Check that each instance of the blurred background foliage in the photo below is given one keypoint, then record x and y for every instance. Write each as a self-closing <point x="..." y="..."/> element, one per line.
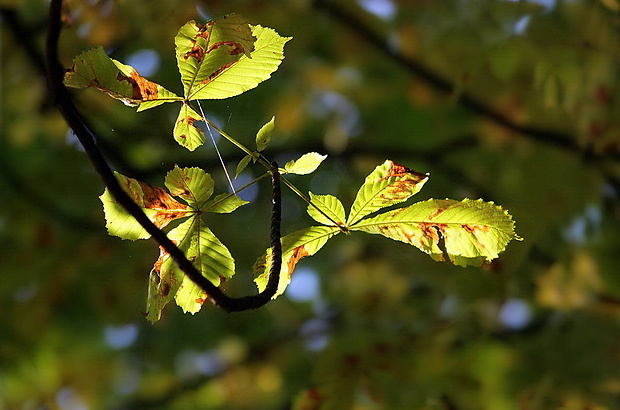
<point x="511" y="101"/>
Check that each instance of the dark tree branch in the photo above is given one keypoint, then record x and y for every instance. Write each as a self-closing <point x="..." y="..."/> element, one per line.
<point x="550" y="137"/>
<point x="60" y="95"/>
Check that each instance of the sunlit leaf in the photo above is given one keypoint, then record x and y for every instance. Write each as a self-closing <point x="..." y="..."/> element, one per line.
<point x="204" y="51"/>
<point x="389" y="184"/>
<point x="207" y="253"/>
<point x="211" y="258"/>
<point x="224" y="204"/>
<point x="245" y="161"/>
<point x="327" y="210"/>
<point x="185" y="132"/>
<point x="230" y="75"/>
<point x="263" y="137"/>
<point x="165" y="277"/>
<point x="192" y="184"/>
<point x="94" y="68"/>
<point x="156" y="203"/>
<point x="306" y="164"/>
<point x="295" y="246"/>
<point x="469" y="231"/>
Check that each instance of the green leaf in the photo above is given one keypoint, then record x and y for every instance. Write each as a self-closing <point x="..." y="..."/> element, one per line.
<point x="203" y="52"/>
<point x="185" y="132"/>
<point x="327" y="210"/>
<point x="94" y="68"/>
<point x="194" y="185"/>
<point x="295" y="246"/>
<point x="245" y="161"/>
<point x="212" y="259"/>
<point x="165" y="277"/>
<point x="231" y="75"/>
<point x="156" y="203"/>
<point x="263" y="137"/>
<point x="208" y="254"/>
<point x="470" y="232"/>
<point x="306" y="164"/>
<point x="389" y="184"/>
<point x="224" y="203"/>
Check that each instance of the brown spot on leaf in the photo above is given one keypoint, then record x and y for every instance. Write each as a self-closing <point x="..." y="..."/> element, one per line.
<point x="165" y="289"/>
<point x="436" y="213"/>
<point x="197" y="52"/>
<point x="396" y="170"/>
<point x="217" y="72"/>
<point x="475" y="229"/>
<point x="429" y="230"/>
<point x="298" y="253"/>
<point x="167" y="208"/>
<point x="200" y="301"/>
<point x="406" y="179"/>
<point x="234" y="47"/>
<point x="143" y="89"/>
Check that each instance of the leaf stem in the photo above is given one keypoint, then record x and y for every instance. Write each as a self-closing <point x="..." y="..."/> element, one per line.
<point x="269" y="166"/>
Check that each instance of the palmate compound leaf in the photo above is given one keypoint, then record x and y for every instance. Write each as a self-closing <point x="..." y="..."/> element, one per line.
<point x="389" y="184"/>
<point x="295" y="246"/>
<point x="94" y="68"/>
<point x="157" y="204"/>
<point x="167" y="281"/>
<point x="193" y="237"/>
<point x="467" y="232"/>
<point x="226" y="57"/>
<point x="470" y="231"/>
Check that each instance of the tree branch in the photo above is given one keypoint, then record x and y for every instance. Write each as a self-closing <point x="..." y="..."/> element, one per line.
<point x="60" y="95"/>
<point x="467" y="101"/>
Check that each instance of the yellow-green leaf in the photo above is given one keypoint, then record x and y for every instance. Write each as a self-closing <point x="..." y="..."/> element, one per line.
<point x="203" y="52"/>
<point x="224" y="204"/>
<point x="389" y="184"/>
<point x="235" y="76"/>
<point x="94" y="68"/>
<point x="470" y="232"/>
<point x="192" y="184"/>
<point x="185" y="132"/>
<point x="306" y="164"/>
<point x="295" y="246"/>
<point x="208" y="254"/>
<point x="263" y="137"/>
<point x="245" y="161"/>
<point x="156" y="203"/>
<point x="326" y="209"/>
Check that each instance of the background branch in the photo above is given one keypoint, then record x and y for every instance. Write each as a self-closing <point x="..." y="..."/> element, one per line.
<point x="467" y="101"/>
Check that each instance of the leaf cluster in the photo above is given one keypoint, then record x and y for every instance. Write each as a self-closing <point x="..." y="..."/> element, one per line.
<point x="224" y="58"/>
